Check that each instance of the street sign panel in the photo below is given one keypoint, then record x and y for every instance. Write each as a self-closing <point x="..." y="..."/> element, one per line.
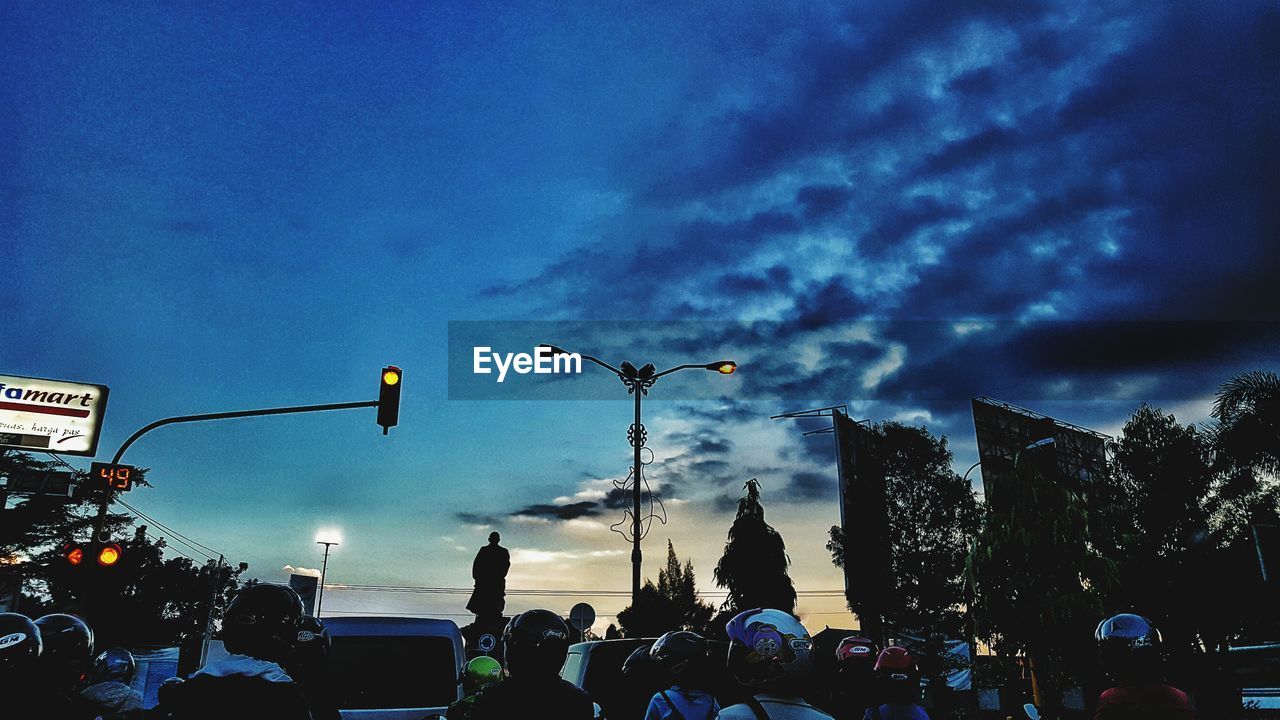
<point x="51" y="482"/>
<point x="51" y="416"/>
<point x="582" y="616"/>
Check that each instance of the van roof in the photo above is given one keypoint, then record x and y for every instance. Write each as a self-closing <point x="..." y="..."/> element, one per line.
<point x="375" y="625"/>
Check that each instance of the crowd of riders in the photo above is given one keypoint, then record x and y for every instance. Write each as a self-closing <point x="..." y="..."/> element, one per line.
<point x="276" y="668"/>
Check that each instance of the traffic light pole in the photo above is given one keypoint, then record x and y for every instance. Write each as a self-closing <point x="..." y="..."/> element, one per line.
<point x="100" y="522"/>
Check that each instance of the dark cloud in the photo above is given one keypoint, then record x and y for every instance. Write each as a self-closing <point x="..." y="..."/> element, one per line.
<point x="560" y="512"/>
<point x="807" y="486"/>
<point x="477" y="519"/>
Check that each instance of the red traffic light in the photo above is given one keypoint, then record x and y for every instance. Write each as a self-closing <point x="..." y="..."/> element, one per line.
<point x="389" y="397"/>
<point x="109" y="554"/>
<point x="73" y="553"/>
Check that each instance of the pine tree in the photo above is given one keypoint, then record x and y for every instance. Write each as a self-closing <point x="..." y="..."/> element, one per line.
<point x="754" y="565"/>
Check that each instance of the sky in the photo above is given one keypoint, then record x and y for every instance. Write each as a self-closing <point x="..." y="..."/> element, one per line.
<point x="892" y="207"/>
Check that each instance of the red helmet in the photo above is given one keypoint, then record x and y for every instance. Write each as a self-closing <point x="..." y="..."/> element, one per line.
<point x="895" y="663"/>
<point x="858" y="649"/>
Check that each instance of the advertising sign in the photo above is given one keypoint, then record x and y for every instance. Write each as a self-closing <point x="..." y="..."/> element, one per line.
<point x="51" y="415"/>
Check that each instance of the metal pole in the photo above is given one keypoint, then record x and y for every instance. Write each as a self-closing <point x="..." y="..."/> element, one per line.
<point x="100" y="522"/>
<point x="208" y="623"/>
<point x="324" y="568"/>
<point x="635" y="503"/>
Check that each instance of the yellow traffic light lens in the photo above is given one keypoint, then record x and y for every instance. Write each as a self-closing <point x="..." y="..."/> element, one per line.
<point x="109" y="555"/>
<point x="727" y="368"/>
<point x="391" y="377"/>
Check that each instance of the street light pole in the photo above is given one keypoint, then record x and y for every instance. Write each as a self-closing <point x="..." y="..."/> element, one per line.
<point x="638" y="383"/>
<point x="324" y="568"/>
<point x="637" y="441"/>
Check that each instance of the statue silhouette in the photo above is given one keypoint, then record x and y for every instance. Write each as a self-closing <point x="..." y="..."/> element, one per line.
<point x="489" y="570"/>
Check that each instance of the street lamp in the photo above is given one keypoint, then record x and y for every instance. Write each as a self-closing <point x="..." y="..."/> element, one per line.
<point x="638" y="382"/>
<point x="324" y="568"/>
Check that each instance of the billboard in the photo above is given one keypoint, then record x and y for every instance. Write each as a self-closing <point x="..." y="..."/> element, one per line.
<point x="305" y="586"/>
<point x="864" y="518"/>
<point x="1004" y="430"/>
<point x="51" y="415"/>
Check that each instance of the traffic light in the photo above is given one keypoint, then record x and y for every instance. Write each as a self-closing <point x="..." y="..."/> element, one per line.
<point x="118" y="478"/>
<point x="73" y="554"/>
<point x="106" y="554"/>
<point x="389" y="397"/>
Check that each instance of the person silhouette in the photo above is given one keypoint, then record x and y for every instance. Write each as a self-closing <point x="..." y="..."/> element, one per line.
<point x="489" y="570"/>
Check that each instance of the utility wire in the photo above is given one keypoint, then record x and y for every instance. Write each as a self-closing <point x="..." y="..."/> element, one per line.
<point x="198" y="547"/>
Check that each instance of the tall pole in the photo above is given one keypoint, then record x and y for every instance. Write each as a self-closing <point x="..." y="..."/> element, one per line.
<point x="637" y="441"/>
<point x="324" y="568"/>
<point x="215" y="576"/>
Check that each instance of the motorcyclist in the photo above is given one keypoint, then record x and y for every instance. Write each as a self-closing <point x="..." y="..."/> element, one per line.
<point x="308" y="666"/>
<point x="259" y="630"/>
<point x="898" y="677"/>
<point x="855" y="677"/>
<point x="108" y="694"/>
<point x="770" y="655"/>
<point x="20" y="648"/>
<point x="1130" y="649"/>
<point x="477" y="674"/>
<point x="64" y="663"/>
<point x="535" y="644"/>
<point x="683" y="656"/>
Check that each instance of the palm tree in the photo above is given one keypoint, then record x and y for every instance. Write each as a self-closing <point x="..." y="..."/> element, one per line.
<point x="1246" y="442"/>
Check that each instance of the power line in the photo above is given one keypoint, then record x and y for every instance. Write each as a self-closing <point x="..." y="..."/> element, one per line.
<point x="195" y="546"/>
<point x="422" y="590"/>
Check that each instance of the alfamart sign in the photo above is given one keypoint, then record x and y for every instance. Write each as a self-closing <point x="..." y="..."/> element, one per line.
<point x="51" y="415"/>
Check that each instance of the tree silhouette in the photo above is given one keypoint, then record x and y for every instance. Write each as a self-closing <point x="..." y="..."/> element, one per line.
<point x="672" y="604"/>
<point x="932" y="515"/>
<point x="1246" y="443"/>
<point x="1037" y="579"/>
<point x="679" y="585"/>
<point x="146" y="599"/>
<point x="754" y="565"/>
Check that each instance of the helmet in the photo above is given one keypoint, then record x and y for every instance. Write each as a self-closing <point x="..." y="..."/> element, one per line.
<point x="897" y="664"/>
<point x="66" y="638"/>
<point x="679" y="652"/>
<point x="479" y="672"/>
<point x="856" y="650"/>
<point x="20" y="646"/>
<point x="535" y="642"/>
<point x="114" y="664"/>
<point x="768" y="648"/>
<point x="312" y="640"/>
<point x="262" y="622"/>
<point x="1130" y="647"/>
<point x="639" y="663"/>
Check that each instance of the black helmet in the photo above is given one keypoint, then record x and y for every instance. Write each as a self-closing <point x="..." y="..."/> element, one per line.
<point x="262" y="622"/>
<point x="535" y="642"/>
<point x="312" y="641"/>
<point x="1130" y="647"/>
<point x="639" y="664"/>
<point x="679" y="652"/>
<point x="114" y="664"/>
<point x="67" y="639"/>
<point x="19" y="646"/>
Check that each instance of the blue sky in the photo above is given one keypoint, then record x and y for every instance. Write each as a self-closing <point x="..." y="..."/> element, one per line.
<point x="896" y="208"/>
